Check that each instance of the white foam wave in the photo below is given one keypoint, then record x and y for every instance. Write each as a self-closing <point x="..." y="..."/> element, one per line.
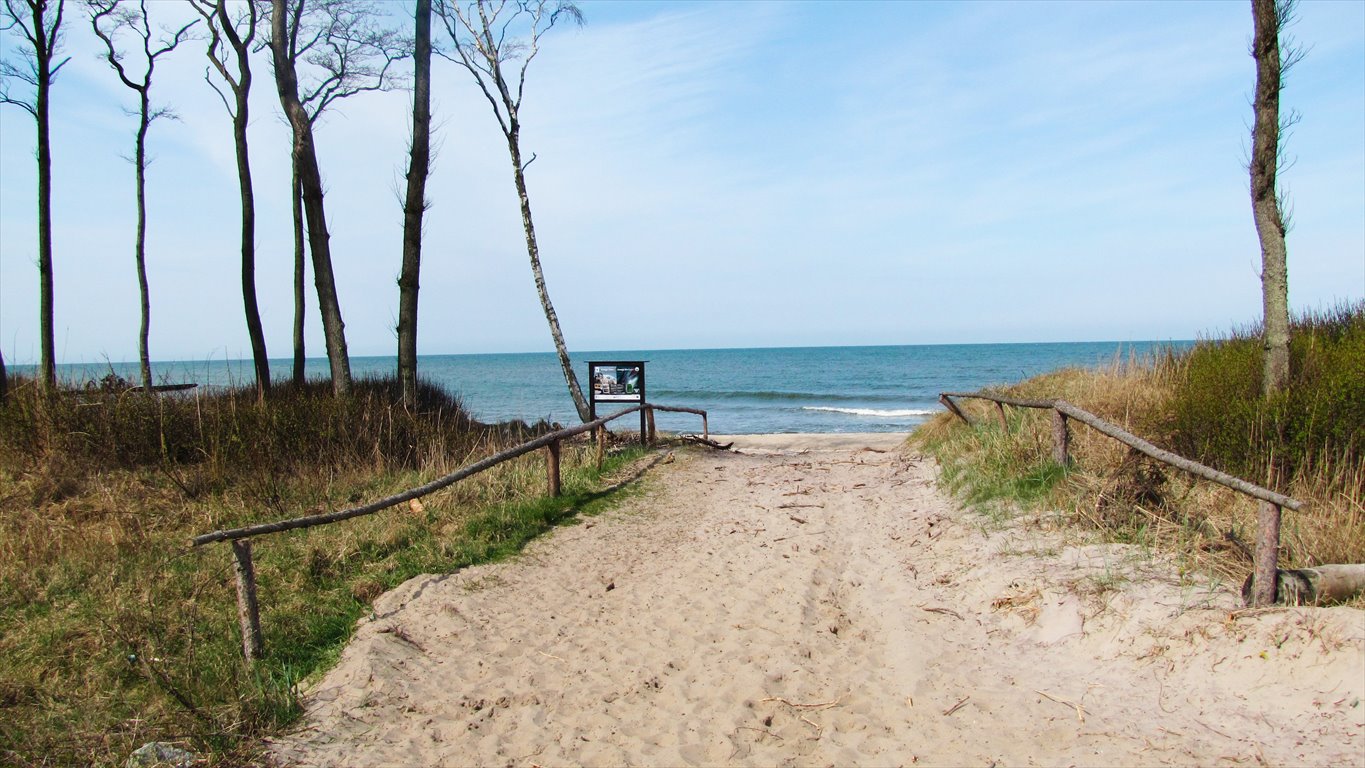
<point x="899" y="413"/>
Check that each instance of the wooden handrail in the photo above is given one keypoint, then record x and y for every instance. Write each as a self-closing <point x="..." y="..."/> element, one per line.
<point x="1137" y="443"/>
<point x="248" y="611"/>
<point x="1264" y="581"/>
<point x="412" y="493"/>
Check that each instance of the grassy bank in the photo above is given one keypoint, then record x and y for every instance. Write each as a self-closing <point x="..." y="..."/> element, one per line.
<point x="1205" y="404"/>
<point x="116" y="633"/>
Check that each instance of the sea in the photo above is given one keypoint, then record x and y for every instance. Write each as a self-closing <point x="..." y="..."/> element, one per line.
<point x="744" y="391"/>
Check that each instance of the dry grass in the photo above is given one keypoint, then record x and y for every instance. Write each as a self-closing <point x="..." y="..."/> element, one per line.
<point x="1129" y="497"/>
<point x="117" y="632"/>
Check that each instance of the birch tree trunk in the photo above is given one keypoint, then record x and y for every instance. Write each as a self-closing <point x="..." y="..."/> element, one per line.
<point x="533" y="251"/>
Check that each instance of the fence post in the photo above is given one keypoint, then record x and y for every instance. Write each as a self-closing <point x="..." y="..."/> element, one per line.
<point x="705" y="430"/>
<point x="649" y="417"/>
<point x="552" y="467"/>
<point x="1000" y="411"/>
<point x="248" y="612"/>
<point x="1061" y="439"/>
<point x="1266" y="573"/>
<point x="601" y="445"/>
<point x="950" y="405"/>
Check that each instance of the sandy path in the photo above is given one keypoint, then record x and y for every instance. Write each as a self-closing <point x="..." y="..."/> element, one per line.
<point x="790" y="606"/>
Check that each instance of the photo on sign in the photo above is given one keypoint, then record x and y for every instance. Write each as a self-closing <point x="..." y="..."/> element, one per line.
<point x="616" y="382"/>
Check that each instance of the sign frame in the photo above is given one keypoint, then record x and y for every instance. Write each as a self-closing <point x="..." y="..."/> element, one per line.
<point x="617" y="381"/>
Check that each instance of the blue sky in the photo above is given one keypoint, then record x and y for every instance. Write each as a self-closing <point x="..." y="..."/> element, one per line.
<point x="732" y="175"/>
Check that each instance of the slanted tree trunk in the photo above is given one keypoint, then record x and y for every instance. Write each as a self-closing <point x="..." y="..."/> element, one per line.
<point x="484" y="34"/>
<point x="419" y="165"/>
<point x="300" y="294"/>
<point x="310" y="180"/>
<point x="533" y="251"/>
<point x="1268" y="16"/>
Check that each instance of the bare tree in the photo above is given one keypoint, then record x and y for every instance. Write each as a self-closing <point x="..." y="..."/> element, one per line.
<point x="1273" y="59"/>
<point x="37" y="24"/>
<point x="482" y="33"/>
<point x="343" y="51"/>
<point x="229" y="49"/>
<point x="415" y="204"/>
<point x="112" y="19"/>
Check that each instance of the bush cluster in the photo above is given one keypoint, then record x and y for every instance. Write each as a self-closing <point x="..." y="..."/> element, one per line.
<point x="1217" y="414"/>
<point x="231" y="430"/>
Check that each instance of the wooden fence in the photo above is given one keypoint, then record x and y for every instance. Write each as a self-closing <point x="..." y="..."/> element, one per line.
<point x="1266" y="566"/>
<point x="248" y="612"/>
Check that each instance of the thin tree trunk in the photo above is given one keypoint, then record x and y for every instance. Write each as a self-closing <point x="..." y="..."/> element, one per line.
<point x="47" y="366"/>
<point x="415" y="204"/>
<point x="310" y="178"/>
<point x="1265" y="145"/>
<point x="519" y="177"/>
<point x="300" y="294"/>
<point x="144" y="291"/>
<point x="4" y="379"/>
<point x="259" y="356"/>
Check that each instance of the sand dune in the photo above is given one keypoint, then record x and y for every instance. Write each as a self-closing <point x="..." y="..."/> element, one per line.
<point x="816" y="600"/>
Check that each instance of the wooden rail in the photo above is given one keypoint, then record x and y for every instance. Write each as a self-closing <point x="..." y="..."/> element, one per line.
<point x="1266" y="568"/>
<point x="244" y="569"/>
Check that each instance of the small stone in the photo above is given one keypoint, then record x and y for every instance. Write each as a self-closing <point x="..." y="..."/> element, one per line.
<point x="159" y="753"/>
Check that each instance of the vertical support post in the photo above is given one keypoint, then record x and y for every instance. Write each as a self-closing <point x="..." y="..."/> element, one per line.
<point x="705" y="430"/>
<point x="248" y="612"/>
<point x="1000" y="412"/>
<point x="644" y="429"/>
<point x="1061" y="439"/>
<point x="649" y="417"/>
<point x="601" y="445"/>
<point x="1266" y="576"/>
<point x="552" y="467"/>
<point x="950" y="405"/>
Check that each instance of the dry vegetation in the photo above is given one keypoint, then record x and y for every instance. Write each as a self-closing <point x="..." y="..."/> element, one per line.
<point x="116" y="632"/>
<point x="1204" y="404"/>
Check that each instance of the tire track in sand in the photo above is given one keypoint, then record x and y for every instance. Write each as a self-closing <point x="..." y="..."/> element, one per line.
<point x="765" y="608"/>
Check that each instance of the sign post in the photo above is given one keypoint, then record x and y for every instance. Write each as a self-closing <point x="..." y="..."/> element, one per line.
<point x="618" y="381"/>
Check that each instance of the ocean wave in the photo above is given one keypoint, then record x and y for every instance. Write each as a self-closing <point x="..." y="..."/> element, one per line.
<point x="898" y="413"/>
<point x="772" y="395"/>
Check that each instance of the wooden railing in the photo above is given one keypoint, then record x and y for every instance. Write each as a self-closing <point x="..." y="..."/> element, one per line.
<point x="1266" y="567"/>
<point x="248" y="612"/>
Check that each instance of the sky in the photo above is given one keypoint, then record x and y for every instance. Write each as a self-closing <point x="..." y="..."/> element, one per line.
<point x="728" y="175"/>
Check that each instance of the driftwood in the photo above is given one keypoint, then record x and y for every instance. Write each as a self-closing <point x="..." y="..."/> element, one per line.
<point x="1320" y="585"/>
<point x="706" y="442"/>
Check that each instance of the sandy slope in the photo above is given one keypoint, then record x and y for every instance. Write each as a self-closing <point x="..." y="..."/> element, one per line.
<point x="813" y="602"/>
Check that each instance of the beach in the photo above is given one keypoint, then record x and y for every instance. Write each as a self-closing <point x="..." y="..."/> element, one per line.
<point x="817" y="600"/>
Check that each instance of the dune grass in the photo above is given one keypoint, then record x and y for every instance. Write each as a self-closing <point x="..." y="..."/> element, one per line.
<point x="1203" y="403"/>
<point x="116" y="632"/>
